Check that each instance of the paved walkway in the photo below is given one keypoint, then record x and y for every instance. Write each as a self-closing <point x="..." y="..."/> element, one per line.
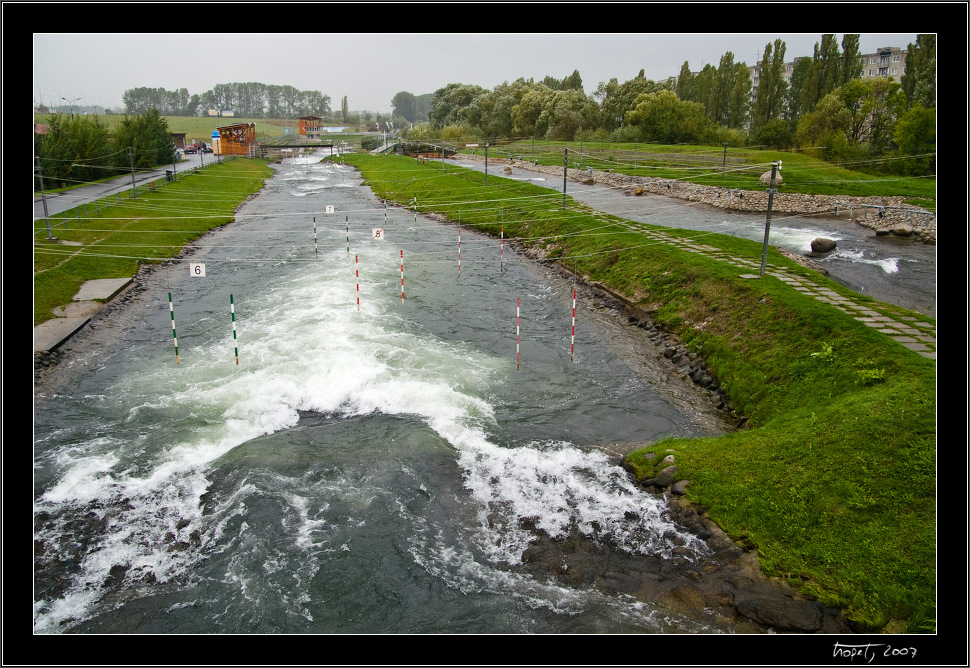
<point x="906" y="330"/>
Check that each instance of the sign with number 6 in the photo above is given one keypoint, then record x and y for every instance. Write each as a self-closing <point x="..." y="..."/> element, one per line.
<point x="197" y="269"/>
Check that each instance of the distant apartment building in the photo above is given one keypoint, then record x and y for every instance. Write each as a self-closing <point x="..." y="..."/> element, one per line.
<point x="887" y="62"/>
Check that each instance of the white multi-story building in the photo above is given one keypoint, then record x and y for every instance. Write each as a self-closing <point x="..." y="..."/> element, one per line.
<point x="887" y="62"/>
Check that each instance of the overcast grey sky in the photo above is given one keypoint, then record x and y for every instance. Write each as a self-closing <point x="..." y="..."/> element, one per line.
<point x="96" y="69"/>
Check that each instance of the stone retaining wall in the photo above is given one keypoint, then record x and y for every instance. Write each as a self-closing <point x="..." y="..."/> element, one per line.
<point x="885" y="215"/>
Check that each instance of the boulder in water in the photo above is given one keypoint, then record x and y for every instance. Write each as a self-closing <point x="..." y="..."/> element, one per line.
<point x="822" y="245"/>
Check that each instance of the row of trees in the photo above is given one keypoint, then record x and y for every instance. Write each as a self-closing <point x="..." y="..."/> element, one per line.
<point x="80" y="149"/>
<point x="825" y="104"/>
<point x="247" y="100"/>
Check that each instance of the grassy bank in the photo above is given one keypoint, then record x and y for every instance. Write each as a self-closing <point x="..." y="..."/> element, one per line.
<point x="738" y="167"/>
<point x="834" y="482"/>
<point x="150" y="228"/>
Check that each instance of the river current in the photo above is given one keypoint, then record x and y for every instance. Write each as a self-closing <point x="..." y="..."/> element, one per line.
<point x="370" y="464"/>
<point x="890" y="269"/>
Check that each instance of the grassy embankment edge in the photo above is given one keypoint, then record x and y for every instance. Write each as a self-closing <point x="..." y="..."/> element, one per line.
<point x="154" y="227"/>
<point x="834" y="483"/>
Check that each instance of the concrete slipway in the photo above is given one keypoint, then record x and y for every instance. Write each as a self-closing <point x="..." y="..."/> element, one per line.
<point x="72" y="317"/>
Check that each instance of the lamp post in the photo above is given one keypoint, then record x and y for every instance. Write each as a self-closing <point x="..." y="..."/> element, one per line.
<point x="71" y="102"/>
<point x="771" y="195"/>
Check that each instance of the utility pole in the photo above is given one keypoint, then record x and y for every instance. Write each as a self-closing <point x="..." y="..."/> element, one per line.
<point x="131" y="162"/>
<point x="43" y="197"/>
<point x="565" y="163"/>
<point x="771" y="195"/>
<point x="486" y="164"/>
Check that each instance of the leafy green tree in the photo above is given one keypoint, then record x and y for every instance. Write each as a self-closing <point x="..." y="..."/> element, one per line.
<point x="565" y="113"/>
<point x="915" y="135"/>
<point x="73" y="150"/>
<point x="776" y="133"/>
<point x="859" y="117"/>
<point x="344" y="110"/>
<point x="571" y="82"/>
<point x="148" y="138"/>
<point x="826" y="128"/>
<point x="740" y="100"/>
<point x="793" y="95"/>
<point x="525" y="114"/>
<point x="617" y="99"/>
<point x="686" y="86"/>
<point x="703" y="84"/>
<point x="875" y="106"/>
<point x="849" y="65"/>
<point x="404" y="105"/>
<point x="829" y="70"/>
<point x="770" y="98"/>
<point x="662" y="117"/>
<point x="919" y="80"/>
<point x="449" y="101"/>
<point x="718" y="102"/>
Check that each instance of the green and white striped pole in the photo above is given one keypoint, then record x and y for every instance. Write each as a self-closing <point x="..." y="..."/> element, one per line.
<point x="232" y="312"/>
<point x="315" y="254"/>
<point x="175" y="338"/>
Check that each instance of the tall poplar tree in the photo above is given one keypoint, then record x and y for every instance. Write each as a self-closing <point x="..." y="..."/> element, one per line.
<point x="719" y="99"/>
<point x="849" y="67"/>
<point x="919" y="81"/>
<point x="771" y="84"/>
<point x="686" y="86"/>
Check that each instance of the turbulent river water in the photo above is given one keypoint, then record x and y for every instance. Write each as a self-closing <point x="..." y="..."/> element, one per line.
<point x="891" y="269"/>
<point x="369" y="465"/>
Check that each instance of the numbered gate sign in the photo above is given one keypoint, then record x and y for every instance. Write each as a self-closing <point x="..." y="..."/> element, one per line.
<point x="377" y="233"/>
<point x="330" y="208"/>
<point x="197" y="269"/>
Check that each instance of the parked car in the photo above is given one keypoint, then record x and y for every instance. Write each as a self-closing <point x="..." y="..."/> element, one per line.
<point x="190" y="150"/>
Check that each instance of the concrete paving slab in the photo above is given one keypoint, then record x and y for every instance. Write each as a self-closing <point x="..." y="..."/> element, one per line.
<point x="51" y="334"/>
<point x="101" y="288"/>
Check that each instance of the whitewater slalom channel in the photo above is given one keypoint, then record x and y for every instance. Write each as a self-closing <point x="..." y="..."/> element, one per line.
<point x="372" y="468"/>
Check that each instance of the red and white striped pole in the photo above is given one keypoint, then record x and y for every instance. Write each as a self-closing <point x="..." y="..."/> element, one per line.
<point x="572" y="343"/>
<point x="459" y="249"/>
<point x="516" y="333"/>
<point x="402" y="278"/>
<point x="357" y="273"/>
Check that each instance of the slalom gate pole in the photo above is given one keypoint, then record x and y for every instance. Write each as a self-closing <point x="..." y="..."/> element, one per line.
<point x="516" y="333"/>
<point x="175" y="338"/>
<point x="402" y="278"/>
<point x="347" y="223"/>
<point x="315" y="238"/>
<point x="572" y="343"/>
<point x="232" y="311"/>
<point x="501" y="252"/>
<point x="459" y="250"/>
<point x="357" y="272"/>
